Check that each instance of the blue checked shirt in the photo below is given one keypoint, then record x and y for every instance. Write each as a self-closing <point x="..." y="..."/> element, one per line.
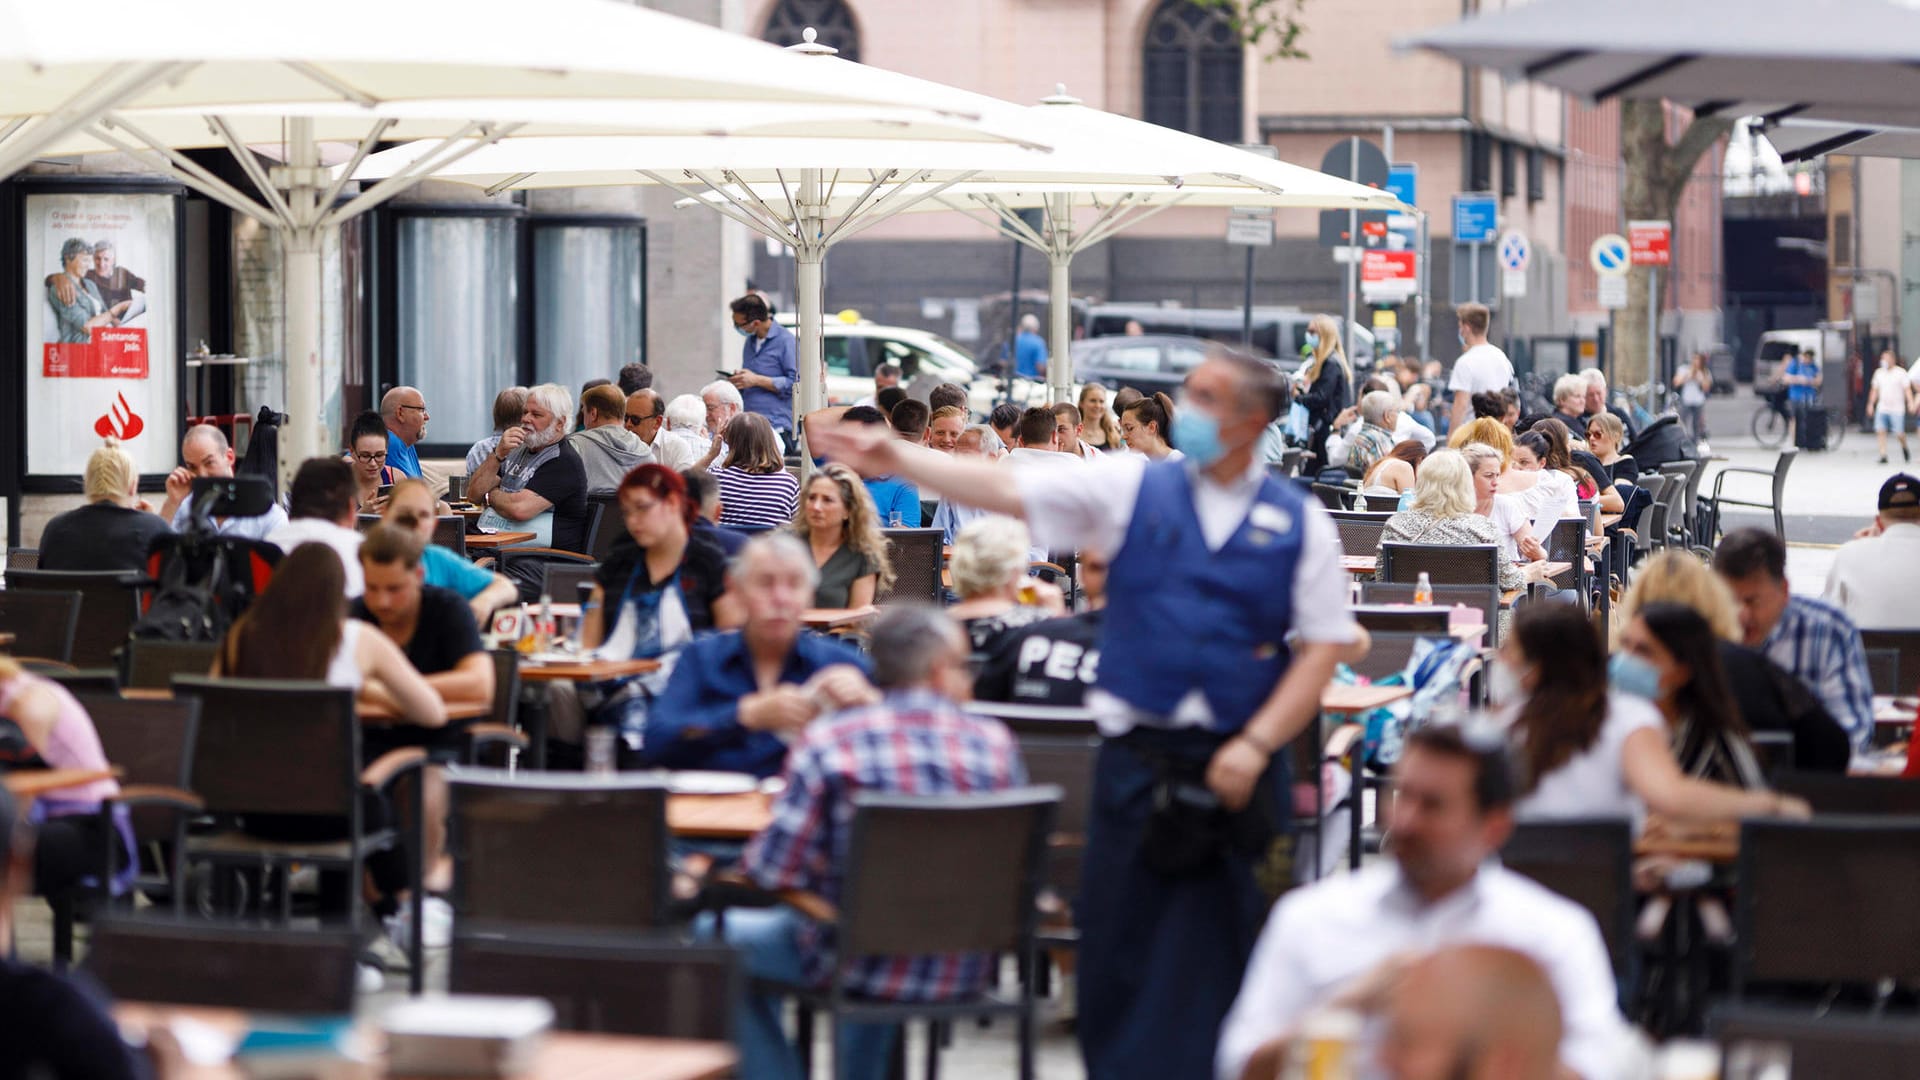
<point x="912" y="743"/>
<point x="1817" y="642"/>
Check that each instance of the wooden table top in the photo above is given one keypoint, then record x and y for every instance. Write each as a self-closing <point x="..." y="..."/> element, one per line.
<point x="828" y="618"/>
<point x="456" y="710"/>
<point x="585" y="670"/>
<point x="1608" y="521"/>
<point x="500" y="539"/>
<point x="1715" y="843"/>
<point x="719" y="817"/>
<point x="1352" y="699"/>
<point x="30" y="783"/>
<point x="1360" y="564"/>
<point x="563" y="1055"/>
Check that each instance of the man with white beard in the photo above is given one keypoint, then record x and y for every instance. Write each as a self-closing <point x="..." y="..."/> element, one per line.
<point x="534" y="482"/>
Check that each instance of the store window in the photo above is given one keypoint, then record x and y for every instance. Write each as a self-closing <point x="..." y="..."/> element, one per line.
<point x="457" y="317"/>
<point x="589" y="299"/>
<point x="831" y="21"/>
<point x="1191" y="71"/>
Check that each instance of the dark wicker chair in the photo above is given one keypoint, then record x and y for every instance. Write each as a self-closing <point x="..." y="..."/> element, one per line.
<point x="109" y="605"/>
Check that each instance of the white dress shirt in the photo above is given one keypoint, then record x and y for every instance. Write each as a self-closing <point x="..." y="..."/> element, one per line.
<point x="345" y="543"/>
<point x="1322" y="936"/>
<point x="1073" y="505"/>
<point x="1404" y="427"/>
<point x="1875" y="579"/>
<point x="673" y="451"/>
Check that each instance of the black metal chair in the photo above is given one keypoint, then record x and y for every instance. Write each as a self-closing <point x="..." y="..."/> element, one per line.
<point x="223" y="965"/>
<point x="151" y="664"/>
<point x="1390" y="653"/>
<point x="450" y="532"/>
<point x="87" y="680"/>
<point x="1826" y="902"/>
<point x="558" y="850"/>
<point x="1831" y="793"/>
<point x="1772" y="749"/>
<point x="1567" y="542"/>
<point x="506" y="698"/>
<point x="622" y="984"/>
<point x="1359" y="531"/>
<point x="1904" y="642"/>
<point x="1052" y="721"/>
<point x="1065" y="761"/>
<point x="1883" y="668"/>
<point x="109" y="606"/>
<point x="271" y="749"/>
<point x="1444" y="564"/>
<point x="42" y="623"/>
<point x="1484" y="597"/>
<point x="1396" y="619"/>
<point x="916" y="564"/>
<point x="564" y="579"/>
<point x="1834" y="1042"/>
<point x="1590" y="862"/>
<point x="1334" y="497"/>
<point x="1778" y="474"/>
<point x="598" y="535"/>
<point x="939" y="874"/>
<point x="23" y="559"/>
<point x="151" y="742"/>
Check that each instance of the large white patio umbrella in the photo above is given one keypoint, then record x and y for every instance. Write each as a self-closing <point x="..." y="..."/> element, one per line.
<point x="232" y="73"/>
<point x="1798" y="140"/>
<point x="813" y="194"/>
<point x="1849" y="61"/>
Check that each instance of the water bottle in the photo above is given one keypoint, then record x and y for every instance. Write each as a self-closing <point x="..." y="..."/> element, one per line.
<point x="600" y="750"/>
<point x="1423" y="589"/>
<point x="543" y="626"/>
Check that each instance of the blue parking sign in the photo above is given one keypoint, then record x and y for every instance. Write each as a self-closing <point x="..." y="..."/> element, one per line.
<point x="1476" y="218"/>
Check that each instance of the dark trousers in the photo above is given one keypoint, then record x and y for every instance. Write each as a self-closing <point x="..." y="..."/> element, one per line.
<point x="1161" y="958"/>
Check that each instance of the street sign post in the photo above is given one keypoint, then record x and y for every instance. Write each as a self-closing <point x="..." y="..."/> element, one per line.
<point x="1476" y="221"/>
<point x="1251" y="227"/>
<point x="1388" y="277"/>
<point x="1609" y="255"/>
<point x="1651" y="242"/>
<point x="1403" y="180"/>
<point x="1514" y="252"/>
<point x="1362" y="162"/>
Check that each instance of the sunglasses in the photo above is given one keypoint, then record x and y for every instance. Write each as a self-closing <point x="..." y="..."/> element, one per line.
<point x="632" y="419"/>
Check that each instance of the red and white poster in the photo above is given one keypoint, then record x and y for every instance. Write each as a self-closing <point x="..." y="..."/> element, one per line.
<point x="100" y="303"/>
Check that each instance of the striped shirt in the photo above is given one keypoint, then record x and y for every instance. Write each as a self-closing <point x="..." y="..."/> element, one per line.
<point x="912" y="743"/>
<point x="756" y="500"/>
<point x="1820" y="645"/>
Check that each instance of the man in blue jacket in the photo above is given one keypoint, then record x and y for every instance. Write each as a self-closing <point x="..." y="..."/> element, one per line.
<point x="769" y="365"/>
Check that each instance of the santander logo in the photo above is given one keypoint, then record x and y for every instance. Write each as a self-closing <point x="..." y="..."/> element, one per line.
<point x="120" y="422"/>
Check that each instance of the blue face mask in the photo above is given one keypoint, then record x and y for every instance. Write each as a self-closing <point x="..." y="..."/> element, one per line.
<point x="1197" y="435"/>
<point x="1633" y="675"/>
<point x="743" y="331"/>
<point x="1313" y="340"/>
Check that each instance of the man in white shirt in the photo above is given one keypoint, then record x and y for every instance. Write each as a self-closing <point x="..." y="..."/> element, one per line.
<point x="1339" y="942"/>
<point x="1481" y="368"/>
<point x="1876" y="576"/>
<point x="647" y="419"/>
<point x="208" y="454"/>
<point x="322" y="497"/>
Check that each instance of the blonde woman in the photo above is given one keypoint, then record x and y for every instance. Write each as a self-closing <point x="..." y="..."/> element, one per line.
<point x="840" y="526"/>
<point x="1443" y="513"/>
<point x="1101" y="429"/>
<point x="114" y="529"/>
<point x="1769" y="697"/>
<point x="989" y="568"/>
<point x="1325" y="385"/>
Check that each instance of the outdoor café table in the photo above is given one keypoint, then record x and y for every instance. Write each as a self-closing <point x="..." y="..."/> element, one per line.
<point x="457" y="710"/>
<point x="719" y="817"/>
<point x="1347" y="701"/>
<point x="544" y="672"/>
<point x="493" y="541"/>
<point x="1360" y="564"/>
<point x="563" y="1055"/>
<point x="834" y="618"/>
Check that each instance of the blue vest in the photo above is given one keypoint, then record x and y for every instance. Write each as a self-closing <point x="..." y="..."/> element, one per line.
<point x="1181" y="618"/>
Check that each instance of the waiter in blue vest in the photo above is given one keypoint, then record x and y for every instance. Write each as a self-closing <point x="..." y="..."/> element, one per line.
<point x="1226" y="614"/>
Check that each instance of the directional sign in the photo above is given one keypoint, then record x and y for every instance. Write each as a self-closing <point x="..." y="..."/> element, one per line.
<point x="1514" y="251"/>
<point x="1388" y="276"/>
<point x="1476" y="218"/>
<point x="1652" y="242"/>
<point x="1613" y="291"/>
<point x="1403" y="180"/>
<point x="1251" y="226"/>
<point x="1609" y="255"/>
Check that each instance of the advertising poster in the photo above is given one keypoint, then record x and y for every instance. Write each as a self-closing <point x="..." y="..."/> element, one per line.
<point x="102" y="359"/>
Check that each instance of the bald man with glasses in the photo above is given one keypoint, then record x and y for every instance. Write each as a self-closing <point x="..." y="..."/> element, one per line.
<point x="647" y="419"/>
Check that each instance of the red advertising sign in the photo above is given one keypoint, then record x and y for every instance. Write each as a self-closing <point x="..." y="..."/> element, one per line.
<point x="1651" y="241"/>
<point x="1388" y="266"/>
<point x="118" y="352"/>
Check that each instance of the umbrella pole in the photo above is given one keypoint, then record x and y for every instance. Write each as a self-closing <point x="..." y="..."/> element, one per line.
<point x="809" y="255"/>
<point x="302" y="437"/>
<point x="1060" y="312"/>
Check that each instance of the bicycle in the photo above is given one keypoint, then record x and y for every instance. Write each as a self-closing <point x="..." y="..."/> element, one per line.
<point x="1773" y="419"/>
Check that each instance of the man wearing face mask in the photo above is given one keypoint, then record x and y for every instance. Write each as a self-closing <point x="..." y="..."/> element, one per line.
<point x="1199" y="689"/>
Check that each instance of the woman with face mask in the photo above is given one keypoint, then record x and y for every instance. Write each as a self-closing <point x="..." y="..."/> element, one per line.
<point x="1325" y="384"/>
<point x="1668" y="656"/>
<point x="1588" y="752"/>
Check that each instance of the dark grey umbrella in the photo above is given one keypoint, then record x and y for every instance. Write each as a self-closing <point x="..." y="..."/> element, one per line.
<point x="1852" y="62"/>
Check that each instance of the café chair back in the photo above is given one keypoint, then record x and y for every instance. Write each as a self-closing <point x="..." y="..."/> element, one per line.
<point x="606" y="526"/>
<point x="1052" y="721"/>
<point x="226" y="966"/>
<point x="1835" y="1042"/>
<point x="23" y="559"/>
<point x="43" y="624"/>
<point x="622" y="984"/>
<point x="1485" y="597"/>
<point x="1359" y="530"/>
<point x="1826" y="902"/>
<point x="598" y="537"/>
<point x="450" y="532"/>
<point x="1773" y="502"/>
<point x="1391" y="619"/>
<point x="563" y="580"/>
<point x="86" y="680"/>
<point x="151" y="664"/>
<point x="1064" y="761"/>
<point x="1567" y="542"/>
<point x="1904" y="642"/>
<point x="916" y="564"/>
<point x="1333" y="496"/>
<point x="1772" y="749"/>
<point x="942" y="874"/>
<point x="1883" y="670"/>
<point x="557" y="850"/>
<point x="109" y="605"/>
<point x="1590" y="862"/>
<point x="1863" y="796"/>
<point x="1444" y="564"/>
<point x="1391" y="651"/>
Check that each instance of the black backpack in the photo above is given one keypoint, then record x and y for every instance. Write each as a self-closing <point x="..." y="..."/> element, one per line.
<point x="204" y="583"/>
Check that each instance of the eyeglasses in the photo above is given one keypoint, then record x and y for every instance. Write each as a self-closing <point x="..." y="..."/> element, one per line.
<point x="422" y="408"/>
<point x="371" y="459"/>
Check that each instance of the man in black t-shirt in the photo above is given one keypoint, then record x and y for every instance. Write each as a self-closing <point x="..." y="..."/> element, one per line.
<point x="533" y="472"/>
<point x="1055" y="661"/>
<point x="433" y="626"/>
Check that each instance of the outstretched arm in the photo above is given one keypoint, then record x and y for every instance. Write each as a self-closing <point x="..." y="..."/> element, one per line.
<point x="873" y="451"/>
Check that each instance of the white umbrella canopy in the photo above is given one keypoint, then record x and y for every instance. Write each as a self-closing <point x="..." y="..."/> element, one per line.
<point x="1844" y="60"/>
<point x="1799" y="141"/>
<point x="435" y="66"/>
<point x="812" y="194"/>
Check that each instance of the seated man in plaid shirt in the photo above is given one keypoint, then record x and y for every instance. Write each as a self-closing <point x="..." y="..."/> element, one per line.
<point x="916" y="741"/>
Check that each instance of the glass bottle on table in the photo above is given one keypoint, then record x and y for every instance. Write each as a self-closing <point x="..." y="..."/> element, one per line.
<point x="1423" y="589"/>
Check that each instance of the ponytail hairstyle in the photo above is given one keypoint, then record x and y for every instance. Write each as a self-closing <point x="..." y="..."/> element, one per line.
<point x="1158" y="411"/>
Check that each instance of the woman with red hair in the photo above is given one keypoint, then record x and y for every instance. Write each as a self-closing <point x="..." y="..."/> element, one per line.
<point x="652" y="595"/>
